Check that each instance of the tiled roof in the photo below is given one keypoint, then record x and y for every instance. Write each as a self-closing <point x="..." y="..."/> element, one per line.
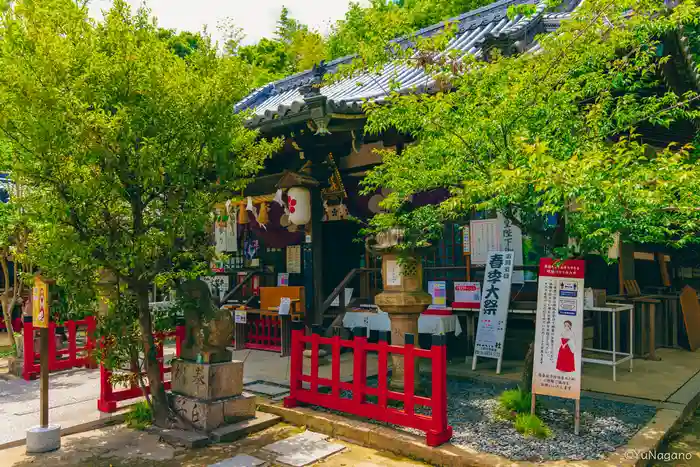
<point x="475" y="28"/>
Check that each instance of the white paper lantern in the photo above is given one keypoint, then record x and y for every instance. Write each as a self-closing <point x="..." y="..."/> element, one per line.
<point x="299" y="203"/>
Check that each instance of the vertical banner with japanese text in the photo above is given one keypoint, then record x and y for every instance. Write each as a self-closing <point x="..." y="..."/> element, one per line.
<point x="493" y="313"/>
<point x="559" y="329"/>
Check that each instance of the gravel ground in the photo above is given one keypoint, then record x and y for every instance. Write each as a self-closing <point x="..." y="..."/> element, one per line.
<point x="605" y="425"/>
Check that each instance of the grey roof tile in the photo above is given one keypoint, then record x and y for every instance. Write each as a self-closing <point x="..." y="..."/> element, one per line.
<point x="347" y="95"/>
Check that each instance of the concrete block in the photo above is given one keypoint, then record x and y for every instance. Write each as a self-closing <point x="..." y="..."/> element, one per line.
<point x="310" y="453"/>
<point x="295" y="443"/>
<point x="230" y="433"/>
<point x="239" y="408"/>
<point x="239" y="460"/>
<point x="43" y="439"/>
<point x="207" y="381"/>
<point x="187" y="439"/>
<point x="204" y="415"/>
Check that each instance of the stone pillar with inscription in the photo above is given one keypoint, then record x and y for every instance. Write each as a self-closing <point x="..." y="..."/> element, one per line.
<point x="207" y="386"/>
<point x="403" y="298"/>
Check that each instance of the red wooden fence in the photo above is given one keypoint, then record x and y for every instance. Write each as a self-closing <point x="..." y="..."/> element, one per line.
<point x="434" y="425"/>
<point x="59" y="359"/>
<point x="16" y="324"/>
<point x="264" y="332"/>
<point x="109" y="396"/>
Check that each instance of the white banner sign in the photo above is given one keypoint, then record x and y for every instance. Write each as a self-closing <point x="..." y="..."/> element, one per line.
<point x="559" y="329"/>
<point x="493" y="313"/>
<point x="485" y="237"/>
<point x="512" y="240"/>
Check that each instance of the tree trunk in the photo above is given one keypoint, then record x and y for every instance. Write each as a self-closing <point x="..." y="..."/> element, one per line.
<point x="158" y="397"/>
<point x="7" y="305"/>
<point x="526" y="379"/>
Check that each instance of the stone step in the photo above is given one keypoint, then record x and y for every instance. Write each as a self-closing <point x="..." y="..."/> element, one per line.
<point x="229" y="433"/>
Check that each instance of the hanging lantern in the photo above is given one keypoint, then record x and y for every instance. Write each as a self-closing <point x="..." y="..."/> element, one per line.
<point x="299" y="203"/>
<point x="242" y="215"/>
<point x="262" y="215"/>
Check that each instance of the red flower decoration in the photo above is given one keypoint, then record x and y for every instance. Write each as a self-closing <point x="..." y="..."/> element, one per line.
<point x="292" y="204"/>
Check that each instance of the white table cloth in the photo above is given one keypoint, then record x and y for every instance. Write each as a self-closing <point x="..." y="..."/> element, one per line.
<point x="427" y="324"/>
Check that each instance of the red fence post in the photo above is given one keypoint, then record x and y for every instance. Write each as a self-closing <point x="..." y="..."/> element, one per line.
<point x="28" y="337"/>
<point x="105" y="403"/>
<point x="441" y="432"/>
<point x="359" y="366"/>
<point x="179" y="338"/>
<point x="383" y="369"/>
<point x="296" y="362"/>
<point x="71" y="327"/>
<point x="409" y="374"/>
<point x="91" y="341"/>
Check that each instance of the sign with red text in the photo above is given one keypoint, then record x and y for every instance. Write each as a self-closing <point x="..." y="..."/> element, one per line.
<point x="559" y="329"/>
<point x="467" y="295"/>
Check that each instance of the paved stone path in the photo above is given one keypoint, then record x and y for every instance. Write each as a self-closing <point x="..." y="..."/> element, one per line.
<point x="73" y="394"/>
<point x="118" y="446"/>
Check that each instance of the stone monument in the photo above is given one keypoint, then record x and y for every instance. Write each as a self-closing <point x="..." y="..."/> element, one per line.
<point x="403" y="298"/>
<point x="207" y="385"/>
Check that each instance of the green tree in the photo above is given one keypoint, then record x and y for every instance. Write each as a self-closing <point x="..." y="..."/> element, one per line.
<point x="13" y="244"/>
<point x="184" y="43"/>
<point x="557" y="132"/>
<point x="130" y="146"/>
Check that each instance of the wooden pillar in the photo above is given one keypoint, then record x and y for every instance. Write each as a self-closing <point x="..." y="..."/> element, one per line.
<point x="316" y="255"/>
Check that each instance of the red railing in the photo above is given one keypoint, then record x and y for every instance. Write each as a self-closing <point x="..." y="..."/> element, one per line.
<point x="109" y="396"/>
<point x="16" y="324"/>
<point x="59" y="359"/>
<point x="264" y="332"/>
<point x="434" y="425"/>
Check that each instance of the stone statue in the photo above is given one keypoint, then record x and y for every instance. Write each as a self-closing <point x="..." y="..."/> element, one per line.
<point x="208" y="329"/>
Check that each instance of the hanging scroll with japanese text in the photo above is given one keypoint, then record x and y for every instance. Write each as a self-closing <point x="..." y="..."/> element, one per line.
<point x="493" y="313"/>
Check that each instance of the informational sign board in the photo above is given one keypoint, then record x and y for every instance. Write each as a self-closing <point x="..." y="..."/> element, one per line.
<point x="485" y="237"/>
<point x="40" y="304"/>
<point x="393" y="273"/>
<point x="438" y="290"/>
<point x="466" y="240"/>
<point x="294" y="259"/>
<point x="283" y="279"/>
<point x="467" y="295"/>
<point x="285" y="305"/>
<point x="493" y="312"/>
<point x="559" y="330"/>
<point x="241" y="316"/>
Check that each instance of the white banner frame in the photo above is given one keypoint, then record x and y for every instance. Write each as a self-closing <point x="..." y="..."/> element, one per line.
<point x="496" y="274"/>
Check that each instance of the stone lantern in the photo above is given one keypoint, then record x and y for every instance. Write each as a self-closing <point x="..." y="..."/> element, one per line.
<point x="403" y="297"/>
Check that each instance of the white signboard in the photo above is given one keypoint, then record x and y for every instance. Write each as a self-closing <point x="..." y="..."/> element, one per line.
<point x="285" y="305"/>
<point x="559" y="329"/>
<point x="493" y="313"/>
<point x="467" y="295"/>
<point x="226" y="235"/>
<point x="393" y="273"/>
<point x="485" y="237"/>
<point x="241" y="316"/>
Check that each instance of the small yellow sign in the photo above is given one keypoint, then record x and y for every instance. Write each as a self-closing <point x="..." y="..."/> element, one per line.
<point x="40" y="304"/>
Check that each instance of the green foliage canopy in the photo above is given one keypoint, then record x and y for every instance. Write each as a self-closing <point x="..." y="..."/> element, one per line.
<point x="552" y="132"/>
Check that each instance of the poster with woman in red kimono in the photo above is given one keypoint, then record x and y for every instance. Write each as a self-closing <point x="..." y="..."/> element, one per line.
<point x="566" y="358"/>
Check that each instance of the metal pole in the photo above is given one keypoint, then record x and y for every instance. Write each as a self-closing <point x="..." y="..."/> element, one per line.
<point x="44" y="375"/>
